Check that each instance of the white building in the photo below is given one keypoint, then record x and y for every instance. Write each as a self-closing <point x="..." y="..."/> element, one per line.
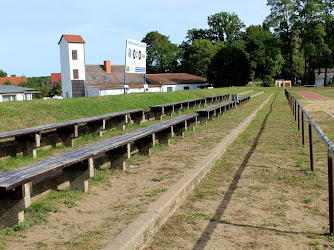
<point x="16" y="93"/>
<point x="72" y="59"/>
<point x="79" y="79"/>
<point x="283" y="83"/>
<point x="320" y="76"/>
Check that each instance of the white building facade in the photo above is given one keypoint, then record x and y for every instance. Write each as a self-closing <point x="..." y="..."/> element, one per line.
<point x="72" y="60"/>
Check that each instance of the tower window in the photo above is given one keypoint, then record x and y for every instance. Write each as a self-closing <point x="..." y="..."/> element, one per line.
<point x="74" y="55"/>
<point x="75" y="74"/>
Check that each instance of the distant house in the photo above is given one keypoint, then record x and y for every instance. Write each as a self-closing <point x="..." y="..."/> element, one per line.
<point x="16" y="93"/>
<point x="55" y="78"/>
<point x="177" y="81"/>
<point x="320" y="76"/>
<point x="14" y="80"/>
<point x="108" y="79"/>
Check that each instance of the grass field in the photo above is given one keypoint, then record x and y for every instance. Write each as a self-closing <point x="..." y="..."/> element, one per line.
<point x="18" y="115"/>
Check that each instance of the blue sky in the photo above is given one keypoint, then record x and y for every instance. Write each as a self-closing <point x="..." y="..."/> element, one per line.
<point x="30" y="30"/>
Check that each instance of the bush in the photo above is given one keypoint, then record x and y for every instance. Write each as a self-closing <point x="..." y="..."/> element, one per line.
<point x="268" y="82"/>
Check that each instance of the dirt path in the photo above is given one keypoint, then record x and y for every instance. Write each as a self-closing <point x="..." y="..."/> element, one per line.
<point x="260" y="195"/>
<point x="312" y="96"/>
<point x="318" y="105"/>
<point x="107" y="209"/>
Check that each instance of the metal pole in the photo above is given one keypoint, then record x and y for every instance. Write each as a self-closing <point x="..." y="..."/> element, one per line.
<point x="295" y="110"/>
<point x="298" y="117"/>
<point x="331" y="191"/>
<point x="311" y="146"/>
<point x="303" y="129"/>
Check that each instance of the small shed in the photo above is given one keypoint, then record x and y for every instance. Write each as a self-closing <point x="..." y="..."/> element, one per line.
<point x="283" y="83"/>
<point x="16" y="93"/>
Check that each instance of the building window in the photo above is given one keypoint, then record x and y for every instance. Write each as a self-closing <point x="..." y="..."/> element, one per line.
<point x="186" y="88"/>
<point x="169" y="89"/>
<point x="6" y="98"/>
<point x="74" y="55"/>
<point x="75" y="74"/>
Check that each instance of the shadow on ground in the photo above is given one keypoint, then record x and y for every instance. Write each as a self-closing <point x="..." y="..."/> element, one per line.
<point x="206" y="235"/>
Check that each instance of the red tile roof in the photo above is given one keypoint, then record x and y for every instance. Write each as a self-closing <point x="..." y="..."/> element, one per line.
<point x="72" y="39"/>
<point x="16" y="80"/>
<point x="174" y="78"/>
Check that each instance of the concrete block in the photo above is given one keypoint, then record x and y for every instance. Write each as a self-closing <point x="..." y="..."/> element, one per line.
<point x="12" y="207"/>
<point x="144" y="145"/>
<point x="78" y="175"/>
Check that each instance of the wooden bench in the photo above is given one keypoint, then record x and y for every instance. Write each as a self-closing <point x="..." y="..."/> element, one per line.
<point x="27" y="140"/>
<point x="215" y="110"/>
<point x="169" y="108"/>
<point x="19" y="186"/>
<point x="244" y="99"/>
<point x="217" y="98"/>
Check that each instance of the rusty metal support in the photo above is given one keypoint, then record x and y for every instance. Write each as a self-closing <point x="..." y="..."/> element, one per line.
<point x="331" y="191"/>
<point x="311" y="146"/>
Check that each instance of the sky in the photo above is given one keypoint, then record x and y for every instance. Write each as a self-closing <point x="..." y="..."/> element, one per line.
<point x="31" y="30"/>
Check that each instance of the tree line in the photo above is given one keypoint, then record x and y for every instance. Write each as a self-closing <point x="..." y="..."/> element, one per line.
<point x="295" y="39"/>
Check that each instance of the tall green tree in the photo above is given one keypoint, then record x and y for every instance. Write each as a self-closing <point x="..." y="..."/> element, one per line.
<point x="229" y="67"/>
<point x="264" y="53"/>
<point x="327" y="8"/>
<point x="312" y="31"/>
<point x="162" y="55"/>
<point x="225" y="27"/>
<point x="2" y="73"/>
<point x="198" y="56"/>
<point x="282" y="19"/>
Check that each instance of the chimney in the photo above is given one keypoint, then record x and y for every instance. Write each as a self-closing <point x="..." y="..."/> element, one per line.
<point x="107" y="66"/>
<point x="13" y="76"/>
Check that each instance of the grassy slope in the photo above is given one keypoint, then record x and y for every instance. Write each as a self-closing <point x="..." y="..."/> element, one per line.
<point x="18" y="115"/>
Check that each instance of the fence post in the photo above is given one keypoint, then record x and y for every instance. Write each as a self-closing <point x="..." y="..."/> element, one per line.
<point x="303" y="129"/>
<point x="331" y="191"/>
<point x="295" y="110"/>
<point x="298" y="117"/>
<point x="311" y="146"/>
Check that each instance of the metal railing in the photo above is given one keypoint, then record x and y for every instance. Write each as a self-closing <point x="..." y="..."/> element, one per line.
<point x="299" y="112"/>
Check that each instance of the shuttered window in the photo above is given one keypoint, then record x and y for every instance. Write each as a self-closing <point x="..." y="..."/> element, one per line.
<point x="75" y="74"/>
<point x="74" y="55"/>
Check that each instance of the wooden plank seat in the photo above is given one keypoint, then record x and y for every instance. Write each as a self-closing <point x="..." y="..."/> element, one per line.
<point x="215" y="110"/>
<point x="19" y="186"/>
<point x="217" y="98"/>
<point x="169" y="108"/>
<point x="244" y="99"/>
<point x="27" y="140"/>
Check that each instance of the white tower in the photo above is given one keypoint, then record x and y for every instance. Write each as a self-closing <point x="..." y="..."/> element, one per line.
<point x="72" y="60"/>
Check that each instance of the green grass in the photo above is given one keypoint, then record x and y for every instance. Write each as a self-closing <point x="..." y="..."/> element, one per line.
<point x="18" y="115"/>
